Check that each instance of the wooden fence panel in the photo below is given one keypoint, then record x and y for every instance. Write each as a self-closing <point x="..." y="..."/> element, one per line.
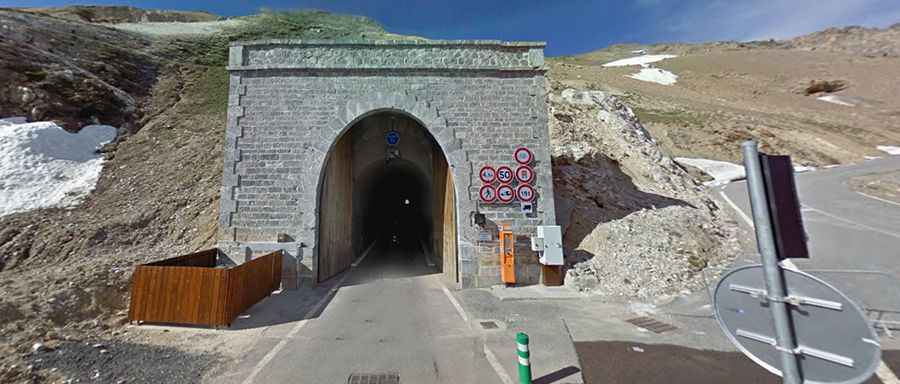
<point x="166" y="292"/>
<point x="250" y="282"/>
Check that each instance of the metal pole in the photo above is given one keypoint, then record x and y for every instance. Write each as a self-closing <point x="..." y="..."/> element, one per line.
<point x="765" y="241"/>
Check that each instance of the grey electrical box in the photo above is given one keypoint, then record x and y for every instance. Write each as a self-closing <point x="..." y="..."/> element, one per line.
<point x="550" y="237"/>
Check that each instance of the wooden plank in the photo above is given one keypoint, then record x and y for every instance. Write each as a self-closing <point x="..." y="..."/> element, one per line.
<point x="336" y="212"/>
<point x="449" y="230"/>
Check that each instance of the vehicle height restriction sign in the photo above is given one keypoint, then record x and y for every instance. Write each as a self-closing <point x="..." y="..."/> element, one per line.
<point x="487" y="174"/>
<point x="504" y="174"/>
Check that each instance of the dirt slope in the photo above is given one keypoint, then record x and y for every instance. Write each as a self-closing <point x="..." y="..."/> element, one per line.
<point x="729" y="92"/>
<point x="65" y="274"/>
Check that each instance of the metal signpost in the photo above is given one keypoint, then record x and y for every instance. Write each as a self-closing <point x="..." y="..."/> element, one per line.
<point x="791" y="323"/>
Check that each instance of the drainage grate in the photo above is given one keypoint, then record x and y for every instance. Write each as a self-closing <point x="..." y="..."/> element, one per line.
<point x="489" y="325"/>
<point x="374" y="378"/>
<point x="652" y="324"/>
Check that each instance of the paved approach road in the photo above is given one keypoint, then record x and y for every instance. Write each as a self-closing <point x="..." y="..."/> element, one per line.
<point x="391" y="314"/>
<point x="847" y="230"/>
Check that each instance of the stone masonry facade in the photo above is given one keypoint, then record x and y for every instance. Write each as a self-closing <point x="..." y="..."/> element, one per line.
<point x="289" y="101"/>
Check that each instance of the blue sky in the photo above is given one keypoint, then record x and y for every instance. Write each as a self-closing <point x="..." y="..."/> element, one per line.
<point x="571" y="26"/>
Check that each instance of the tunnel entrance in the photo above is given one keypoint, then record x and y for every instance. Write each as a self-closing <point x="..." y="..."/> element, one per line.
<point x="387" y="195"/>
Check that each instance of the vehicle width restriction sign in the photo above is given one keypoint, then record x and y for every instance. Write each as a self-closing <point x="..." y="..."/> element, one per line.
<point x="505" y="193"/>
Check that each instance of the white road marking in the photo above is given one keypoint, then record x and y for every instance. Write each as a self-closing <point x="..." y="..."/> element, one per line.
<point x="879" y="199"/>
<point x="363" y="256"/>
<point x="459" y="308"/>
<point x="278" y="347"/>
<point x="492" y="359"/>
<point x="833" y="216"/>
<point x="736" y="208"/>
<point x="886" y="375"/>
<point x="884" y="372"/>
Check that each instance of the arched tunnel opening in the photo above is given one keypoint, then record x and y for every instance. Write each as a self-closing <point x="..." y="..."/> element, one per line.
<point x="396" y="209"/>
<point x="387" y="198"/>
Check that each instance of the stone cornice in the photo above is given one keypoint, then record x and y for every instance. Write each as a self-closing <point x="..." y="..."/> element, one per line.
<point x="387" y="54"/>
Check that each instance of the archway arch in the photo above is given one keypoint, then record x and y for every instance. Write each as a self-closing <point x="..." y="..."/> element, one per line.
<point x="377" y="198"/>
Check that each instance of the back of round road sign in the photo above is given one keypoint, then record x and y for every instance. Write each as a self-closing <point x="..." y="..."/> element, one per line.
<point x="835" y="342"/>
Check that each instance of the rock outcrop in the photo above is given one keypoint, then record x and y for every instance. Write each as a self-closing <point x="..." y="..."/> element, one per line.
<point x="635" y="223"/>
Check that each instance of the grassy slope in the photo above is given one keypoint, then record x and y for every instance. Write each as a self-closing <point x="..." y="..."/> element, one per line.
<point x="157" y="195"/>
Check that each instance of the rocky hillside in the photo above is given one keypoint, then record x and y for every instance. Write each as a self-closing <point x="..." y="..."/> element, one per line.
<point x="727" y="92"/>
<point x="858" y="41"/>
<point x="635" y="224"/>
<point x="65" y="273"/>
<point x="121" y="14"/>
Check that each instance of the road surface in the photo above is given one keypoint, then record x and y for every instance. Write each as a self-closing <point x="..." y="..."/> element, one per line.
<point x="847" y="230"/>
<point x="388" y="315"/>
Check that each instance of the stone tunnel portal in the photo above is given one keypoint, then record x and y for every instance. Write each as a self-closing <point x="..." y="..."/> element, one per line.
<point x="386" y="195"/>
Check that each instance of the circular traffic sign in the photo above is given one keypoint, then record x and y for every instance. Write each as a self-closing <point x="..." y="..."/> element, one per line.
<point x="525" y="193"/>
<point x="525" y="174"/>
<point x="488" y="194"/>
<point x="505" y="193"/>
<point x="487" y="174"/>
<point x="392" y="137"/>
<point x="523" y="155"/>
<point x="504" y="174"/>
<point x="835" y="341"/>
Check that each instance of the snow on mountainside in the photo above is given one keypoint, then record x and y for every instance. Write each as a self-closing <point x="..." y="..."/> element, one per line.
<point x="41" y="165"/>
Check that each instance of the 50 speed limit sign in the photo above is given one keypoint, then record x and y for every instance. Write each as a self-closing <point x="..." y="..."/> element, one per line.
<point x="504" y="175"/>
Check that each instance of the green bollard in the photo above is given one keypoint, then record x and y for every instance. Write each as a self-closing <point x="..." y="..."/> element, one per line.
<point x="524" y="364"/>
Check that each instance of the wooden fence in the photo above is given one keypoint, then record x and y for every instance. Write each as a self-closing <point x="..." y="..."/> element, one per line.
<point x="190" y="289"/>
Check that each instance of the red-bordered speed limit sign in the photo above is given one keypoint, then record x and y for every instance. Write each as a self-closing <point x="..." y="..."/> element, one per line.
<point x="487" y="174"/>
<point x="505" y="193"/>
<point x="523" y="155"/>
<point x="505" y="174"/>
<point x="488" y="194"/>
<point x="525" y="193"/>
<point x="525" y="174"/>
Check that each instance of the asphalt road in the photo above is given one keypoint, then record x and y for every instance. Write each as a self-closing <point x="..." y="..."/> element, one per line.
<point x="847" y="231"/>
<point x="389" y="315"/>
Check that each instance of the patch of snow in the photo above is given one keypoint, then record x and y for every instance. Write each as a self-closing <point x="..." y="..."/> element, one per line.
<point x="722" y="172"/>
<point x="642" y="309"/>
<point x="889" y="149"/>
<point x="835" y="99"/>
<point x="13" y="120"/>
<point x="871" y="157"/>
<point x="655" y="75"/>
<point x="638" y="60"/>
<point x="42" y="165"/>
<point x="803" y="168"/>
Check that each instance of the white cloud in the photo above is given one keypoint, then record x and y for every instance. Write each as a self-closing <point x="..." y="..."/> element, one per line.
<point x="761" y="19"/>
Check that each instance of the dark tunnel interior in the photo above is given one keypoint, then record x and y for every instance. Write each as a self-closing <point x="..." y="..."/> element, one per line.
<point x="396" y="209"/>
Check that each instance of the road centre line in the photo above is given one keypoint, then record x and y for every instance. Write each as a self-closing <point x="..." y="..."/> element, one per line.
<point x="281" y="344"/>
